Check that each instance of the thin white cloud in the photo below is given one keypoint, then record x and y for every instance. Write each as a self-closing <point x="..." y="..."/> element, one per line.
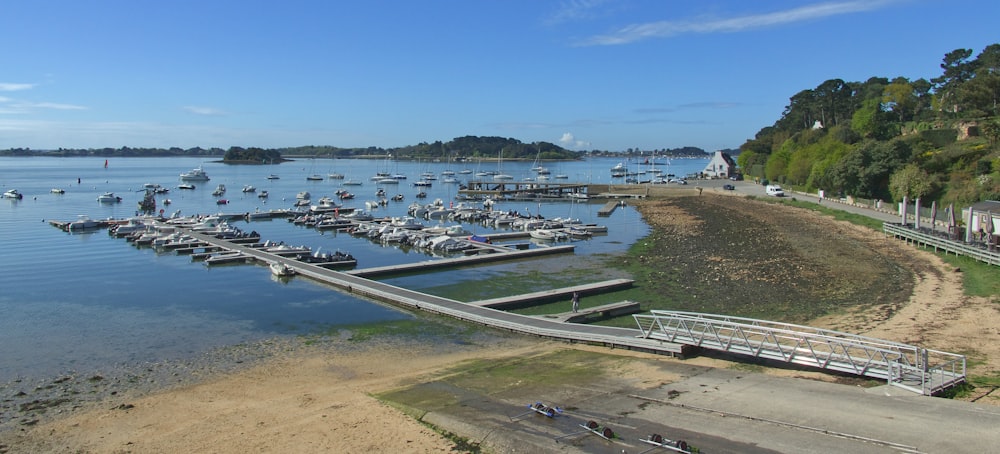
<point x="201" y="110"/>
<point x="47" y="105"/>
<point x="575" y="10"/>
<point x="15" y="87"/>
<point x="665" y="29"/>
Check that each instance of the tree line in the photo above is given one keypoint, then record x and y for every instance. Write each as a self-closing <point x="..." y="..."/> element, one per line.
<point x="889" y="138"/>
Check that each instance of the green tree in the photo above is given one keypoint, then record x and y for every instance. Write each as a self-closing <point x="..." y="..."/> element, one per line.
<point x="900" y="98"/>
<point x="910" y="181"/>
<point x="991" y="129"/>
<point x="870" y="121"/>
<point x="957" y="69"/>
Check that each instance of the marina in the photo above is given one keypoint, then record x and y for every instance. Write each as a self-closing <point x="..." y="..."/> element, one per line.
<point x="144" y="303"/>
<point x="485" y="312"/>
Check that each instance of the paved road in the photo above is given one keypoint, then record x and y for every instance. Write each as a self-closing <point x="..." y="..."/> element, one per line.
<point x="724" y="411"/>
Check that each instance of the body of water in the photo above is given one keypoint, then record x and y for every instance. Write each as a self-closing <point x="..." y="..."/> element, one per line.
<point x="83" y="301"/>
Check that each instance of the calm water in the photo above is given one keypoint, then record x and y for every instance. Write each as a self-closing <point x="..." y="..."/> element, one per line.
<point x="81" y="301"/>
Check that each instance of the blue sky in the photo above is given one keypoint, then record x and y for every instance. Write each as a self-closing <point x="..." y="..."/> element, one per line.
<point x="586" y="74"/>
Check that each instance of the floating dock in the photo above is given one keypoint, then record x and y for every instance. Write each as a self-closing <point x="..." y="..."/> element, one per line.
<point x="429" y="265"/>
<point x="608" y="208"/>
<point x="529" y="299"/>
<point x="603" y="311"/>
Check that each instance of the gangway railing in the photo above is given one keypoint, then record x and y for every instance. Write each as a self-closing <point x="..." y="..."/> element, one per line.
<point x="914" y="368"/>
<point x="941" y="244"/>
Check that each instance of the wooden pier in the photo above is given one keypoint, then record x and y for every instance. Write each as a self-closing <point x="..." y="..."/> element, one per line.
<point x="602" y="311"/>
<point x="517" y="190"/>
<point x="528" y="299"/>
<point x="608" y="208"/>
<point x="429" y="265"/>
<point x="608" y="336"/>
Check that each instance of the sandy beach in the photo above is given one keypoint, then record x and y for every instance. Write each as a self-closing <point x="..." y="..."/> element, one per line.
<point x="322" y="398"/>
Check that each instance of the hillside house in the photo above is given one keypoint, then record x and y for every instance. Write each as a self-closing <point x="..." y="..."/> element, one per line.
<point x="720" y="166"/>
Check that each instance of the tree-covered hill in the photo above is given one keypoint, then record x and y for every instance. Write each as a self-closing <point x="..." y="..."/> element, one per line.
<point x="888" y="138"/>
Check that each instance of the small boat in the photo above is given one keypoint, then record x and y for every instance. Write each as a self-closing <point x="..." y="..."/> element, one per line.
<point x="221" y="202"/>
<point x="547" y="235"/>
<point x="303" y="195"/>
<point x="249" y="188"/>
<point x="351" y="183"/>
<point x="315" y="177"/>
<point x="185" y="186"/>
<point x="336" y="176"/>
<point x="57" y="191"/>
<point x="108" y="197"/>
<point x="273" y="177"/>
<point x="422" y="183"/>
<point x="82" y="223"/>
<point x="219" y="190"/>
<point x="262" y="195"/>
<point x="225" y="257"/>
<point x="13" y="194"/>
<point x="167" y="201"/>
<point x="280" y="269"/>
<point x="195" y="175"/>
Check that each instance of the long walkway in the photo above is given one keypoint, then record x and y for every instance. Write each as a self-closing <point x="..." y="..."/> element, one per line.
<point x="627" y="338"/>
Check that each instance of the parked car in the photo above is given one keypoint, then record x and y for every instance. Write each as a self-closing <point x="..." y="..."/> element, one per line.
<point x="729" y="187"/>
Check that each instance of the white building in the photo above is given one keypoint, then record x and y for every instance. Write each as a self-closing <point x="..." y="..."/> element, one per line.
<point x="720" y="166"/>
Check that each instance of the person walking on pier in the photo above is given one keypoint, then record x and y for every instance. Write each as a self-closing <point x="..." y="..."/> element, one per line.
<point x="576" y="302"/>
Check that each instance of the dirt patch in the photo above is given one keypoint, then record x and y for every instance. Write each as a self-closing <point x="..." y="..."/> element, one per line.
<point x="739" y="256"/>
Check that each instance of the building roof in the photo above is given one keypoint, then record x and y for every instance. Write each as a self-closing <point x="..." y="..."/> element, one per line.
<point x="986" y="205"/>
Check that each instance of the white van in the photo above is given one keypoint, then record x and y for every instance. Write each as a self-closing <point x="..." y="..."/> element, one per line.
<point x="774" y="190"/>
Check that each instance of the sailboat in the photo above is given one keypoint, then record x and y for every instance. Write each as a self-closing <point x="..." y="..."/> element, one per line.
<point x="500" y="176"/>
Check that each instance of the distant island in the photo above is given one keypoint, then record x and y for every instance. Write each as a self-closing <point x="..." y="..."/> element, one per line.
<point x="467" y="148"/>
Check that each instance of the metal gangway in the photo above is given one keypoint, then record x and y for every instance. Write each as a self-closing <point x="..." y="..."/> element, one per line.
<point x="920" y="370"/>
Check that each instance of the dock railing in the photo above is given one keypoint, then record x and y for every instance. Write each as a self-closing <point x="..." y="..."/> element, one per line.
<point x="910" y="367"/>
<point x="920" y="238"/>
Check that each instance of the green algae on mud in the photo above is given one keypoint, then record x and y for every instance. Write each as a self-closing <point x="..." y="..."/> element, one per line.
<point x="540" y="375"/>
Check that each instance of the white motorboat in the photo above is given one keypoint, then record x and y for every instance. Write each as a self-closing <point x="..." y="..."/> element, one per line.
<point x="280" y="269"/>
<point x="132" y="226"/>
<point x="249" y="188"/>
<point x="57" y="191"/>
<point x="547" y="235"/>
<point x="336" y="176"/>
<point x="325" y="205"/>
<point x="197" y="174"/>
<point x="225" y="257"/>
<point x="219" y="190"/>
<point x="108" y="197"/>
<point x="82" y="223"/>
<point x="303" y="195"/>
<point x="359" y="215"/>
<point x="12" y="194"/>
<point x="351" y="183"/>
<point x="273" y="177"/>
